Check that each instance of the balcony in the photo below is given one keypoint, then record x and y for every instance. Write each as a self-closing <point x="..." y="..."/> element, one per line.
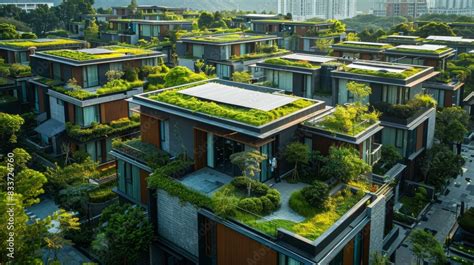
<point x="376" y="154"/>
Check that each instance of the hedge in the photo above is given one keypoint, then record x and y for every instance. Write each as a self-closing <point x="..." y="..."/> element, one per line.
<point x="161" y="179"/>
<point x="98" y="130"/>
<point x="101" y="195"/>
<point x="280" y="61"/>
<point x="265" y="201"/>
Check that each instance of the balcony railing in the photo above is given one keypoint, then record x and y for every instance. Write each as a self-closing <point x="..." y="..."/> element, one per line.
<point x="376" y="153"/>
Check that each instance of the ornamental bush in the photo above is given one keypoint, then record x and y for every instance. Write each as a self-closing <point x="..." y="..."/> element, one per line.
<point x="264" y="199"/>
<point x="316" y="194"/>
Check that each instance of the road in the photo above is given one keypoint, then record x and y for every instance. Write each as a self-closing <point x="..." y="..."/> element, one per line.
<point x="442" y="216"/>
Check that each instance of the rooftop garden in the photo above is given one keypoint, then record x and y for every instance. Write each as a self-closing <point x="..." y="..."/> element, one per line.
<point x="35" y="43"/>
<point x="14" y="70"/>
<point x="97" y="130"/>
<point x="362" y="45"/>
<point x="427" y="51"/>
<point x="144" y="152"/>
<point x="249" y="116"/>
<point x="350" y="119"/>
<point x="111" y="87"/>
<point x="290" y="22"/>
<point x="223" y="38"/>
<point x="293" y="63"/>
<point x="404" y="111"/>
<point x="116" y="52"/>
<point x="262" y="53"/>
<point x="409" y="72"/>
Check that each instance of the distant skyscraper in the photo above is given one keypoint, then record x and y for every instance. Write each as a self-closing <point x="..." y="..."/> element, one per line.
<point x="406" y="8"/>
<point x="326" y="9"/>
<point x="456" y="7"/>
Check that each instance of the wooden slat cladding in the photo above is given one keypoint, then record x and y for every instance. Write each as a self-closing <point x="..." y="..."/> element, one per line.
<point x="236" y="49"/>
<point x="71" y="113"/>
<point x="348" y="252"/>
<point x="113" y="110"/>
<point x="420" y="135"/>
<point x="200" y="149"/>
<point x="150" y="130"/>
<point x="236" y="249"/>
<point x="77" y="74"/>
<point x="143" y="187"/>
<point x="366" y="244"/>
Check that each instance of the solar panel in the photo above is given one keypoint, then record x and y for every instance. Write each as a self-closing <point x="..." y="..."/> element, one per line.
<point x="309" y="58"/>
<point x="398" y="69"/>
<point x="238" y="96"/>
<point x="96" y="51"/>
<point x="424" y="47"/>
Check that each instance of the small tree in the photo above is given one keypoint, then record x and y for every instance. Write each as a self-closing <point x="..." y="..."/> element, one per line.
<point x="124" y="235"/>
<point x="249" y="163"/>
<point x="425" y="247"/>
<point x="316" y="194"/>
<point x="451" y="125"/>
<point x="114" y="75"/>
<point x="8" y="31"/>
<point x="296" y="153"/>
<point x="92" y="31"/>
<point x="345" y="164"/>
<point x="59" y="224"/>
<point x="379" y="259"/>
<point x="324" y="45"/>
<point x="10" y="125"/>
<point x="352" y="37"/>
<point x="242" y="77"/>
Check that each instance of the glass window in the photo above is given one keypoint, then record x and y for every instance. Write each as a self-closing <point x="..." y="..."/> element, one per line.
<point x="91" y="76"/>
<point x="198" y="51"/>
<point x="56" y="71"/>
<point x="23" y="58"/>
<point x="150" y="62"/>
<point x="116" y="66"/>
<point x="164" y="135"/>
<point x="24" y="97"/>
<point x="285" y="260"/>
<point x="223" y="71"/>
<point x="285" y="81"/>
<point x="87" y="115"/>
<point x="94" y="149"/>
<point x="146" y="31"/>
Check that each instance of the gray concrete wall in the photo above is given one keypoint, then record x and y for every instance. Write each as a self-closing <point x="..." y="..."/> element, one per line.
<point x="178" y="222"/>
<point x="377" y="224"/>
<point x="181" y="136"/>
<point x="431" y="130"/>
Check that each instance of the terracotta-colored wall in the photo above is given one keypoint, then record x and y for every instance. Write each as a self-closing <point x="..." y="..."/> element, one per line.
<point x="236" y="249"/>
<point x="132" y="64"/>
<point x="419" y="136"/>
<point x="431" y="62"/>
<point x="348" y="253"/>
<point x="323" y="144"/>
<point x="114" y="110"/>
<point x="143" y="187"/>
<point x="71" y="113"/>
<point x="150" y="130"/>
<point x="236" y="50"/>
<point x="448" y="98"/>
<point x="78" y="75"/>
<point x="200" y="149"/>
<point x="301" y="30"/>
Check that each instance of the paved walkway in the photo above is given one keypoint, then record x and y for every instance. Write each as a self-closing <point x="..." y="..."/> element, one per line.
<point x="442" y="215"/>
<point x="285" y="212"/>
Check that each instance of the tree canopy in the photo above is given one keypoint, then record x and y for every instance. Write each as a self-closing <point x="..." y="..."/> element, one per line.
<point x="451" y="125"/>
<point x="435" y="28"/>
<point x="426" y="248"/>
<point x="345" y="164"/>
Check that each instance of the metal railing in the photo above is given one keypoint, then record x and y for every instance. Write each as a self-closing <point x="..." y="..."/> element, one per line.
<point x="376" y="153"/>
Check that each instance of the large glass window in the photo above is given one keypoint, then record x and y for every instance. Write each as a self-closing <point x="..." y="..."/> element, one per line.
<point x="395" y="95"/>
<point x="94" y="149"/>
<point x="128" y="179"/>
<point x="285" y="260"/>
<point x="198" y="51"/>
<point x="56" y="71"/>
<point x="164" y="135"/>
<point x="23" y="58"/>
<point x="91" y="76"/>
<point x="223" y="149"/>
<point x="223" y="71"/>
<point x="146" y="31"/>
<point x="87" y="115"/>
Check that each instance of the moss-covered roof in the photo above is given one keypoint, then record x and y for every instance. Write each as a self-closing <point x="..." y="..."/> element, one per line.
<point x="232" y="37"/>
<point x="106" y="52"/>
<point x="26" y="43"/>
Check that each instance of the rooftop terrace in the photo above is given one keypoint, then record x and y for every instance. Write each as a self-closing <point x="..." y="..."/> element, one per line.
<point x="39" y="43"/>
<point x="250" y="109"/>
<point x="449" y="39"/>
<point x="422" y="49"/>
<point x="230" y="37"/>
<point x="362" y="45"/>
<point x="106" y="52"/>
<point x="386" y="70"/>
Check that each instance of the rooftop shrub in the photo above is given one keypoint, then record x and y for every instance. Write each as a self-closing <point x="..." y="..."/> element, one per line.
<point x="404" y="111"/>
<point x="249" y="116"/>
<point x="403" y="75"/>
<point x="32" y="43"/>
<point x="117" y="51"/>
<point x="280" y="61"/>
<point x="142" y="151"/>
<point x="118" y="85"/>
<point x="362" y="45"/>
<point x="20" y="70"/>
<point x="99" y="130"/>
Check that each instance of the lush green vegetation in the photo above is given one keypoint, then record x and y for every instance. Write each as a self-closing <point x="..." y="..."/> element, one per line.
<point x="230" y="37"/>
<point x="101" y="194"/>
<point x="412" y="206"/>
<point x="285" y="62"/>
<point x="249" y="116"/>
<point x="403" y="75"/>
<point x="343" y="120"/>
<point x="99" y="130"/>
<point x="466" y="221"/>
<point x="362" y="46"/>
<point x="390" y="157"/>
<point x="404" y="111"/>
<point x="31" y="43"/>
<point x="117" y="51"/>
<point x="438" y="51"/>
<point x="162" y="178"/>
<point x="142" y="151"/>
<point x="111" y="87"/>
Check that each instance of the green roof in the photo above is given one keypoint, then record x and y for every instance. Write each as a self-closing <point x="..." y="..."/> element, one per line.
<point x="417" y="50"/>
<point x="363" y="45"/>
<point x="289" y="22"/>
<point x="38" y="43"/>
<point x="113" y="52"/>
<point x="223" y="38"/>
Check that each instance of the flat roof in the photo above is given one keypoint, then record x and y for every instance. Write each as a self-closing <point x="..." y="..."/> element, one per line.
<point x="449" y="39"/>
<point x="309" y="57"/>
<point x="238" y="96"/>
<point x="230" y="37"/>
<point x="366" y="43"/>
<point x="145" y="21"/>
<point x="403" y="37"/>
<point x="39" y="43"/>
<point x="381" y="68"/>
<point x="106" y="53"/>
<point x="424" y="47"/>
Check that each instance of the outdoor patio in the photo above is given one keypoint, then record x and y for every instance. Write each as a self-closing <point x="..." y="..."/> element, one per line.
<point x="206" y="180"/>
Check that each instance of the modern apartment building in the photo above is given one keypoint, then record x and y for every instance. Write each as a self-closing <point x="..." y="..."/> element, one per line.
<point x="131" y="30"/>
<point x="228" y="52"/>
<point x="394" y="87"/>
<point x="406" y="8"/>
<point x="451" y="7"/>
<point x="360" y="50"/>
<point x="436" y="56"/>
<point x="190" y="232"/>
<point x="27" y="5"/>
<point x="325" y="9"/>
<point x="150" y="12"/>
<point x="79" y="107"/>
